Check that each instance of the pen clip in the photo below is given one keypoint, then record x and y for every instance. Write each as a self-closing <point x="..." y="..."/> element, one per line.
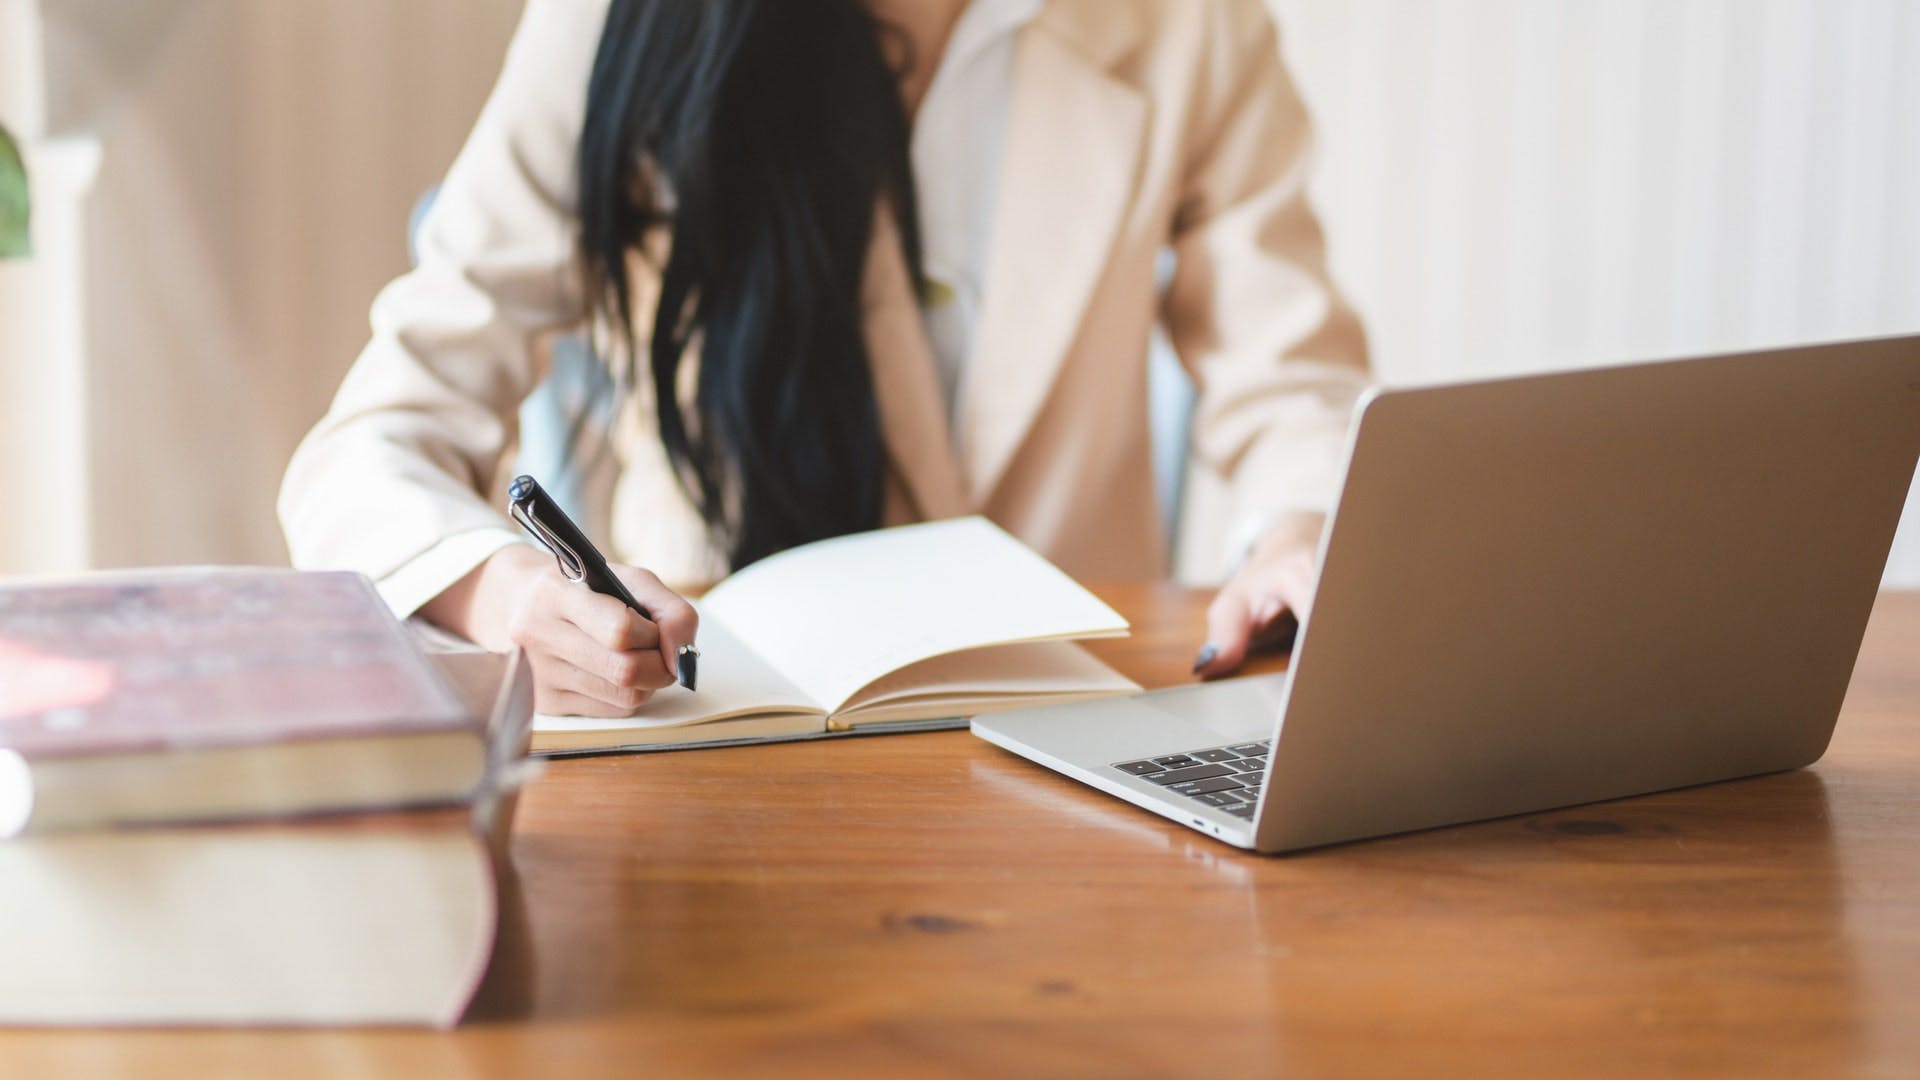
<point x="571" y="567"/>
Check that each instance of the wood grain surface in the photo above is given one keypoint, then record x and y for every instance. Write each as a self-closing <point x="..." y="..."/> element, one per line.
<point x="927" y="905"/>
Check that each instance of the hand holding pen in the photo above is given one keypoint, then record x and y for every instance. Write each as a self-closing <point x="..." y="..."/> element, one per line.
<point x="603" y="649"/>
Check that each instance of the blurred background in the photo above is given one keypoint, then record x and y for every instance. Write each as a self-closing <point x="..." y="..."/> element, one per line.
<point x="221" y="186"/>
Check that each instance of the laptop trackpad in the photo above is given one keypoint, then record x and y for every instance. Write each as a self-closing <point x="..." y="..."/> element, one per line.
<point x="1146" y="725"/>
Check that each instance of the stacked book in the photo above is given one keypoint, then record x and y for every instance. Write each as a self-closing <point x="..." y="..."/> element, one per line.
<point x="245" y="796"/>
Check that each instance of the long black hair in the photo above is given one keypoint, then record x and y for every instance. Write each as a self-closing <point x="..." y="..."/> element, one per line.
<point x="763" y="136"/>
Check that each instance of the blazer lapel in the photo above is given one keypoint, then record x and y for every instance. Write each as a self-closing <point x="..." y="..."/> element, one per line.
<point x="1071" y="154"/>
<point x="906" y="389"/>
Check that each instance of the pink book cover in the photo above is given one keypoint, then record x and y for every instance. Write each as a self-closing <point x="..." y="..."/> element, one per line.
<point x="182" y="659"/>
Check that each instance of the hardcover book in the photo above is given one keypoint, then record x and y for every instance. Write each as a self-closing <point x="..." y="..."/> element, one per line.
<point x="212" y="693"/>
<point x="345" y="918"/>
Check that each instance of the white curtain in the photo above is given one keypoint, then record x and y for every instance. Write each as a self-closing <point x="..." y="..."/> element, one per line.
<point x="1517" y="185"/>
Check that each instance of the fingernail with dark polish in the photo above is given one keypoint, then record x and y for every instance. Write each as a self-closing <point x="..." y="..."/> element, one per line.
<point x="1207" y="653"/>
<point x="688" y="662"/>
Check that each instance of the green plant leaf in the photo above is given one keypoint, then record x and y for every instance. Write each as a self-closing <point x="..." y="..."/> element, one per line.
<point x="14" y="237"/>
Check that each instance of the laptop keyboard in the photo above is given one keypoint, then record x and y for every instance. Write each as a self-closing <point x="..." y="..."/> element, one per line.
<point x="1228" y="777"/>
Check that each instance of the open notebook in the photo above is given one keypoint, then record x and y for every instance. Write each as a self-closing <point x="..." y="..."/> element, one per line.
<point x="901" y="629"/>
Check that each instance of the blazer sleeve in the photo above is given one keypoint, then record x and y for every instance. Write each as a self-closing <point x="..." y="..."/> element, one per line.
<point x="392" y="482"/>
<point x="1278" y="359"/>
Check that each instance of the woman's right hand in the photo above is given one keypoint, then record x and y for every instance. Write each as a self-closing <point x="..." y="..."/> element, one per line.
<point x="591" y="654"/>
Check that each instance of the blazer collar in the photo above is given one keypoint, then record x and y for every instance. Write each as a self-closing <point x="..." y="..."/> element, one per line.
<point x="1070" y="159"/>
<point x="1100" y="31"/>
<point x="1070" y="163"/>
<point x="906" y="388"/>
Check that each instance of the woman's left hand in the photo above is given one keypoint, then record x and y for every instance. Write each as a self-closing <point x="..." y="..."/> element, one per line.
<point x="1277" y="579"/>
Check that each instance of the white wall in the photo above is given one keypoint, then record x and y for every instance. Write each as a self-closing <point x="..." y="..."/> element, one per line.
<point x="259" y="159"/>
<point x="1517" y="185"/>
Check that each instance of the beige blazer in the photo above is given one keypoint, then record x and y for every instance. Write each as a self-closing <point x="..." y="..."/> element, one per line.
<point x="1135" y="126"/>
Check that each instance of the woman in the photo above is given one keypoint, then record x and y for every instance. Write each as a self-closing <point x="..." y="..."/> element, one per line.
<point x="905" y="252"/>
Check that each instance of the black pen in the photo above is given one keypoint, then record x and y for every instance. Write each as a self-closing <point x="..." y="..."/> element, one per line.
<point x="530" y="505"/>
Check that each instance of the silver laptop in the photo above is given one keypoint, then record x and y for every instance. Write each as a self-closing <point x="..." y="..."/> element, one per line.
<point x="1543" y="591"/>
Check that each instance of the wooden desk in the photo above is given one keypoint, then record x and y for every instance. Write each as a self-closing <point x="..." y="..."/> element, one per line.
<point x="929" y="905"/>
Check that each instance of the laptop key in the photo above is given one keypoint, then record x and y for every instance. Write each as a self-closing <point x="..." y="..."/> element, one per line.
<point x="1206" y="787"/>
<point x="1138" y="768"/>
<point x="1252" y="765"/>
<point x="1235" y="796"/>
<point x="1176" y="761"/>
<point x="1252" y="749"/>
<point x="1217" y="798"/>
<point x="1244" y="810"/>
<point x="1180" y="776"/>
<point x="1215" y="755"/>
